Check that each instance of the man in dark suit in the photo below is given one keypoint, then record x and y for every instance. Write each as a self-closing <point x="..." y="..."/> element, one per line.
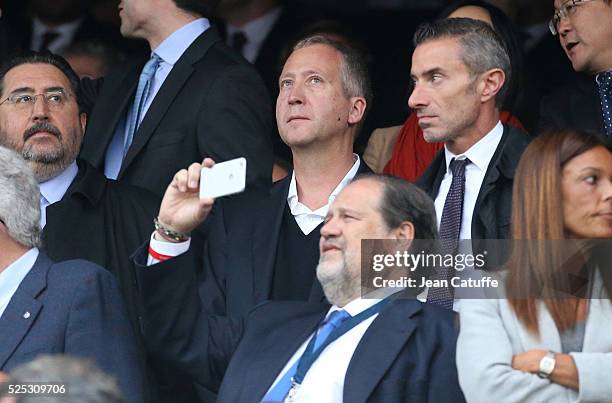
<point x="266" y="248"/>
<point x="84" y="215"/>
<point x="73" y="307"/>
<point x="460" y="71"/>
<point x="584" y="30"/>
<point x="194" y="98"/>
<point x="458" y="89"/>
<point x="399" y="350"/>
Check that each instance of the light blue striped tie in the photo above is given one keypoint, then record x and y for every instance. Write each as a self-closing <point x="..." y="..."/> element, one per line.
<point x="140" y="99"/>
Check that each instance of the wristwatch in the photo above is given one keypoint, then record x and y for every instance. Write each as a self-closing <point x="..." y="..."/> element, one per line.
<point x="547" y="365"/>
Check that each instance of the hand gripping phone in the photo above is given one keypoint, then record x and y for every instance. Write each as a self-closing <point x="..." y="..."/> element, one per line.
<point x="223" y="179"/>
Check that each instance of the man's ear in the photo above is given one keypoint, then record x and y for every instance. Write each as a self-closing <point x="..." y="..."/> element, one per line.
<point x="491" y="82"/>
<point x="405" y="231"/>
<point x="83" y="119"/>
<point x="358" y="107"/>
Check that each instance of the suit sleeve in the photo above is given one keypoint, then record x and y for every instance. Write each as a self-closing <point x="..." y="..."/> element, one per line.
<point x="484" y="361"/>
<point x="177" y="328"/>
<point x="237" y="121"/>
<point x="98" y="328"/>
<point x="443" y="384"/>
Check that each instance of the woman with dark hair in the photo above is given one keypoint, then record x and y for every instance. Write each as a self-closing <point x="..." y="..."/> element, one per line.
<point x="548" y="339"/>
<point x="401" y="150"/>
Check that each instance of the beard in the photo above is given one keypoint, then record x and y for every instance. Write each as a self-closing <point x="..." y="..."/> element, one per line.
<point x="46" y="160"/>
<point x="341" y="283"/>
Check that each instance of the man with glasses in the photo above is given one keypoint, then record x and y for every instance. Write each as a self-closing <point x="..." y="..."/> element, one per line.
<point x="584" y="28"/>
<point x="83" y="215"/>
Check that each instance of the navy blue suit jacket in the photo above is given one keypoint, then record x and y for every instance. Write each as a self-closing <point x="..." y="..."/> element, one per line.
<point x="406" y="355"/>
<point x="73" y="308"/>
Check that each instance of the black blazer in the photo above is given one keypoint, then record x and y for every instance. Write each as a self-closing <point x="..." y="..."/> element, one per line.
<point x="101" y="221"/>
<point x="213" y="104"/>
<point x="239" y="254"/>
<point x="406" y="355"/>
<point x="491" y="217"/>
<point x="575" y="106"/>
<point x="73" y="308"/>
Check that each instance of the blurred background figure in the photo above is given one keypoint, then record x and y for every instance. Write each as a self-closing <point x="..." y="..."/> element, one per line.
<point x="84" y="381"/>
<point x="91" y="59"/>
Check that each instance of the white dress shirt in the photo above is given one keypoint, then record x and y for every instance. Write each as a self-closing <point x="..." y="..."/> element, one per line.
<point x="66" y="34"/>
<point x="255" y="32"/>
<point x="324" y="382"/>
<point x="52" y="190"/>
<point x="480" y="155"/>
<point x="13" y="275"/>
<point x="306" y="219"/>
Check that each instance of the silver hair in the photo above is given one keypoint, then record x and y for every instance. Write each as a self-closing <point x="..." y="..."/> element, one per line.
<point x="84" y="381"/>
<point x="19" y="199"/>
<point x="482" y="49"/>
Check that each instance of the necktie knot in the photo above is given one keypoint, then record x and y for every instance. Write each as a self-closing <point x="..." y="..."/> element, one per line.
<point x="457" y="166"/>
<point x="604" y="80"/>
<point x="336" y="318"/>
<point x="150" y="67"/>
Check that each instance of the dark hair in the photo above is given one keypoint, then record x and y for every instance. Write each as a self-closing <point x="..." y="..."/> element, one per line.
<point x="508" y="34"/>
<point x="537" y="215"/>
<point x="482" y="48"/>
<point x="43" y="58"/>
<point x="103" y="52"/>
<point x="353" y="70"/>
<point x="204" y="8"/>
<point x="403" y="201"/>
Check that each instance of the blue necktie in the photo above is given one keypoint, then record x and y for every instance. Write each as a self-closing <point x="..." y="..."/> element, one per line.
<point x="280" y="390"/>
<point x="450" y="226"/>
<point x="604" y="83"/>
<point x="140" y="99"/>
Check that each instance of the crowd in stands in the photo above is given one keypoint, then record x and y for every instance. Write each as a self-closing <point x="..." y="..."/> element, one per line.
<point x="474" y="132"/>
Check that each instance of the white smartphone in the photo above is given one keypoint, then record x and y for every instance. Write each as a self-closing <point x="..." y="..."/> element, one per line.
<point x="224" y="178"/>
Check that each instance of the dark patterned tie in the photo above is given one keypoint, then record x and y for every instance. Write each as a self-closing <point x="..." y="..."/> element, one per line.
<point x="47" y="39"/>
<point x="238" y="41"/>
<point x="450" y="226"/>
<point x="604" y="83"/>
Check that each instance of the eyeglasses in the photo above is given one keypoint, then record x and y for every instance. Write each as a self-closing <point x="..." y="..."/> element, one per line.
<point x="55" y="100"/>
<point x="568" y="8"/>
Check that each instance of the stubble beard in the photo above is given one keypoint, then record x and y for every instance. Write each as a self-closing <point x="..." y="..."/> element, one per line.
<point x="340" y="284"/>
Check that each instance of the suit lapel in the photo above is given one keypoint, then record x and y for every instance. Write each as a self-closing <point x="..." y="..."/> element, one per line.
<point x="168" y="92"/>
<point x="23" y="309"/>
<point x="378" y="348"/>
<point x="432" y="177"/>
<point x="116" y="98"/>
<point x="266" y="236"/>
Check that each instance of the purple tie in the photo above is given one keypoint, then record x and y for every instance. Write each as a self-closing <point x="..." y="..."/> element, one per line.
<point x="450" y="226"/>
<point x="604" y="83"/>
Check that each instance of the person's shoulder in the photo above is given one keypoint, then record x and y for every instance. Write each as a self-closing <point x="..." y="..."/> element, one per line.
<point x="76" y="271"/>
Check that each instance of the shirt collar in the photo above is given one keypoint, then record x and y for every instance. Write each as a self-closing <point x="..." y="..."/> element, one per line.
<point x="68" y="28"/>
<point x="13" y="275"/>
<point x="54" y="189"/>
<point x="356" y="306"/>
<point x="173" y="47"/>
<point x="481" y="153"/>
<point x="598" y="76"/>
<point x="298" y="208"/>
<point x="258" y="29"/>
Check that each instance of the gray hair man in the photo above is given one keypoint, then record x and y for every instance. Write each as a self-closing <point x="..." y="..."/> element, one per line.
<point x="72" y="307"/>
<point x="460" y="71"/>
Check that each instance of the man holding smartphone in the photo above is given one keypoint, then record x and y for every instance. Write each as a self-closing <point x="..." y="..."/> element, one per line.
<point x="261" y="248"/>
